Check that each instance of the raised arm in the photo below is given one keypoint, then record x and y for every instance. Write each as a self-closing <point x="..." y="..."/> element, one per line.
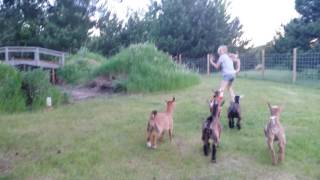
<point x="236" y="60"/>
<point x="215" y="65"/>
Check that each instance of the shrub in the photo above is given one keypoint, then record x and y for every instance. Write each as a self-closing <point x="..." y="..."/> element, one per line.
<point x="11" y="97"/>
<point x="144" y="68"/>
<point x="37" y="87"/>
<point x="79" y="67"/>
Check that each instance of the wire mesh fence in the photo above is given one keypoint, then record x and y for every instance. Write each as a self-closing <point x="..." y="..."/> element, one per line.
<point x="198" y="65"/>
<point x="299" y="68"/>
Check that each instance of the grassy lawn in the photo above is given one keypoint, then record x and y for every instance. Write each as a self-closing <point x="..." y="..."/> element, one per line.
<point x="285" y="76"/>
<point x="104" y="138"/>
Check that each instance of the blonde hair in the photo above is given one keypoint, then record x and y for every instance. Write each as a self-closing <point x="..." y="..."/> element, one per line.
<point x="222" y="49"/>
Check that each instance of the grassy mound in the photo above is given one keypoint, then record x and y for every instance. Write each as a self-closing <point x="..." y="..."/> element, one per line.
<point x="79" y="67"/>
<point x="143" y="68"/>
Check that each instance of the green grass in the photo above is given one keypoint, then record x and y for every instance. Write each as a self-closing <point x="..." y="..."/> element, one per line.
<point x="143" y="68"/>
<point x="104" y="138"/>
<point x="310" y="80"/>
<point x="80" y="66"/>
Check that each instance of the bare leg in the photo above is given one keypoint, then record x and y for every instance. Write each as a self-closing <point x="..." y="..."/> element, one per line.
<point x="223" y="86"/>
<point x="231" y="92"/>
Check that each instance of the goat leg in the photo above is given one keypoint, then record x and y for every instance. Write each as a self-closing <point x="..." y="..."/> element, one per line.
<point x="214" y="151"/>
<point x="206" y="148"/>
<point x="273" y="156"/>
<point x="170" y="134"/>
<point x="238" y="123"/>
<point x="231" y="123"/>
<point x="281" y="152"/>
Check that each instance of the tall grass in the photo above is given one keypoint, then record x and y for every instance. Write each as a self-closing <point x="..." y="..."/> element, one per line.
<point x="36" y="87"/>
<point x="143" y="68"/>
<point x="79" y="67"/>
<point x="19" y="91"/>
<point x="11" y="97"/>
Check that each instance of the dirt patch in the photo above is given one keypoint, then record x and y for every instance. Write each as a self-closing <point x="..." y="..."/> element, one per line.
<point x="5" y="166"/>
<point x="100" y="86"/>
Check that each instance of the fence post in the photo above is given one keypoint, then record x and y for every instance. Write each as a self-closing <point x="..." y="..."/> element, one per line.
<point x="6" y="55"/>
<point x="263" y="62"/>
<point x="36" y="56"/>
<point x="62" y="60"/>
<point x="294" y="66"/>
<point x="208" y="64"/>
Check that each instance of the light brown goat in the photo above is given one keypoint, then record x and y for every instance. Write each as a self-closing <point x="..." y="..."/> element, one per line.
<point x="159" y="123"/>
<point x="275" y="132"/>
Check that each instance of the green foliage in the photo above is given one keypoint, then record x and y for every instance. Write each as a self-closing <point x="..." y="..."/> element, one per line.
<point x="143" y="68"/>
<point x="68" y="23"/>
<point x="302" y="32"/>
<point x="11" y="98"/>
<point x="310" y="10"/>
<point x="194" y="27"/>
<point x="21" y="22"/>
<point x="37" y="88"/>
<point x="59" y="24"/>
<point x="109" y="41"/>
<point x="79" y="67"/>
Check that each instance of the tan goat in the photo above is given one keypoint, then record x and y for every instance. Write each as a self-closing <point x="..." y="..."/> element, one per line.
<point x="275" y="132"/>
<point x="159" y="123"/>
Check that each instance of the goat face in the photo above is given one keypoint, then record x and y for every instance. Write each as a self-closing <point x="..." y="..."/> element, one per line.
<point x="275" y="110"/>
<point x="171" y="104"/>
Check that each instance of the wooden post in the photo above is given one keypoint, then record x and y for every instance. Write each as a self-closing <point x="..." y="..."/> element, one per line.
<point x="53" y="76"/>
<point x="37" y="56"/>
<point x="294" y="66"/>
<point x="62" y="60"/>
<point x="6" y="55"/>
<point x="263" y="62"/>
<point x="208" y="64"/>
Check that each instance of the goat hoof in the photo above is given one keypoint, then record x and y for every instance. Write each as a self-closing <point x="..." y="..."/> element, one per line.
<point x="213" y="161"/>
<point x="154" y="147"/>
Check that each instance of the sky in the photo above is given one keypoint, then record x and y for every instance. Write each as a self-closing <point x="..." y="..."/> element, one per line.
<point x="261" y="19"/>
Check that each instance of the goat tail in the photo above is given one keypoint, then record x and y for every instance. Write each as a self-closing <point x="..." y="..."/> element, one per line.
<point x="153" y="114"/>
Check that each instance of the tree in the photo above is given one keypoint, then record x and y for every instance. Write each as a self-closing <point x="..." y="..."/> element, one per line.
<point x="109" y="40"/>
<point x="21" y="21"/>
<point x="302" y="32"/>
<point x="68" y="23"/>
<point x="194" y="27"/>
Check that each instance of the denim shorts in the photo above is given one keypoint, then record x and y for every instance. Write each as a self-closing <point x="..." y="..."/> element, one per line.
<point x="228" y="77"/>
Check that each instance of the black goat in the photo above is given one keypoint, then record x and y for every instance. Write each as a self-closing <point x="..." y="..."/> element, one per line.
<point x="234" y="111"/>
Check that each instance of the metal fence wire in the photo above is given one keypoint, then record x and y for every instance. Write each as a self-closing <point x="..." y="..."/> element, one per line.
<point x="196" y="64"/>
<point x="299" y="68"/>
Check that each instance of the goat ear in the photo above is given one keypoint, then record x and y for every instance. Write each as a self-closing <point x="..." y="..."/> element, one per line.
<point x="270" y="108"/>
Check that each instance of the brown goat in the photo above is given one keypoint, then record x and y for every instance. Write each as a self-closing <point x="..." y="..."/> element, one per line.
<point x="275" y="132"/>
<point x="160" y="122"/>
<point x="211" y="128"/>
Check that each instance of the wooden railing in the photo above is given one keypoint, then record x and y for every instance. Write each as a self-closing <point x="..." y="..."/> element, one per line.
<point x="36" y="61"/>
